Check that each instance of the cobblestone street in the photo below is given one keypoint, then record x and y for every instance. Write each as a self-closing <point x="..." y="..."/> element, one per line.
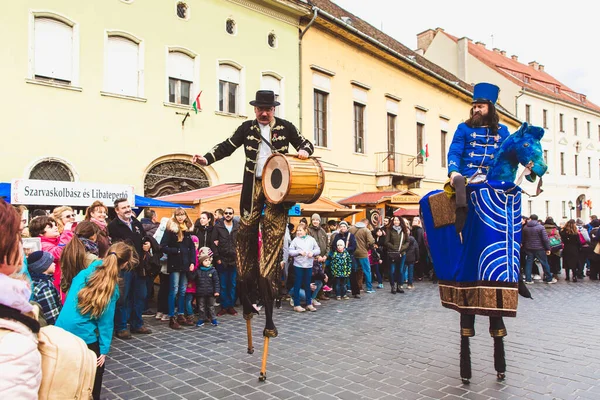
<point x="383" y="346"/>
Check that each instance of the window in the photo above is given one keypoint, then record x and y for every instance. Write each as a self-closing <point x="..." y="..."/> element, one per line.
<point x="420" y="131"/>
<point x="564" y="209"/>
<point x="182" y="10"/>
<point x="391" y="132"/>
<point x="230" y="26"/>
<point x="562" y="163"/>
<point x="229" y="84"/>
<point x="321" y="102"/>
<point x="589" y="130"/>
<point x="530" y="206"/>
<point x="181" y="78"/>
<point x="53" y="51"/>
<point x="545" y="118"/>
<point x="123" y="74"/>
<point x="547" y="208"/>
<point x="272" y="40"/>
<point x="546" y="158"/>
<point x="271" y="81"/>
<point x="444" y="156"/>
<point x="575" y="126"/>
<point x="576" y="158"/>
<point x="527" y="113"/>
<point x="359" y="128"/>
<point x="51" y="171"/>
<point x="589" y="167"/>
<point x="561" y="122"/>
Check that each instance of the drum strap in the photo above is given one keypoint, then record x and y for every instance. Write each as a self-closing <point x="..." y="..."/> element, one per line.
<point x="268" y="144"/>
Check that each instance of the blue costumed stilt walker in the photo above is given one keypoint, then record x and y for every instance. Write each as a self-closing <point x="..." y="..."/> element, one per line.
<point x="473" y="226"/>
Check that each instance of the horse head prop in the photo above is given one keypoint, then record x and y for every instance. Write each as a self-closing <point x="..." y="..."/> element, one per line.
<point x="522" y="147"/>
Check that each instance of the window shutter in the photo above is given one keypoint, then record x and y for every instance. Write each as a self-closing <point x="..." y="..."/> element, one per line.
<point x="53" y="49"/>
<point x="229" y="74"/>
<point x="181" y="66"/>
<point x="122" y="66"/>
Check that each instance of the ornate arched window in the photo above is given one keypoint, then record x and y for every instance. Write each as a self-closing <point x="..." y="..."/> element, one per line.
<point x="51" y="171"/>
<point x="174" y="176"/>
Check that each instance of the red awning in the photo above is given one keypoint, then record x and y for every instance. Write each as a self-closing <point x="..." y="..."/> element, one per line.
<point x="406" y="212"/>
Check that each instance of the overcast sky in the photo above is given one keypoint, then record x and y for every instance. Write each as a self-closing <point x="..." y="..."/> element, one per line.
<point x="564" y="38"/>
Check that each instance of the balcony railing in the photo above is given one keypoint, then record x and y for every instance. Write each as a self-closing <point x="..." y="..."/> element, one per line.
<point x="399" y="164"/>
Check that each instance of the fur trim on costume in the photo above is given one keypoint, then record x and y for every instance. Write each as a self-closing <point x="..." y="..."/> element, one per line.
<point x="174" y="227"/>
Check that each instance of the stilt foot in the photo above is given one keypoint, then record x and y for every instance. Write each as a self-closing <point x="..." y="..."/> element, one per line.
<point x="500" y="376"/>
<point x="465" y="381"/>
<point x="262" y="377"/>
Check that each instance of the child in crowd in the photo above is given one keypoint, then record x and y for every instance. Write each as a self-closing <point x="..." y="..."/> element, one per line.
<point x="208" y="286"/>
<point x="376" y="255"/>
<point x="412" y="257"/>
<point x="79" y="253"/>
<point x="303" y="248"/>
<point x="89" y="310"/>
<point x="41" y="268"/>
<point x="341" y="266"/>
<point x="190" y="290"/>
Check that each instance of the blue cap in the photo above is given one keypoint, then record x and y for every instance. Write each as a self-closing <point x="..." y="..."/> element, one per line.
<point x="485" y="92"/>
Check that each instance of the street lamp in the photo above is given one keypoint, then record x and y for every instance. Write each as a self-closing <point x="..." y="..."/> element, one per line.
<point x="571" y="208"/>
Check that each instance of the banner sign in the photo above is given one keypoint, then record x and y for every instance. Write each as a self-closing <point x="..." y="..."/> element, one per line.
<point x="57" y="193"/>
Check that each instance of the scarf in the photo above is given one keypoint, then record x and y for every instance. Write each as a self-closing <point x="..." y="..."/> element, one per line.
<point x="90" y="246"/>
<point x="15" y="293"/>
<point x="182" y="228"/>
<point x="101" y="224"/>
<point x="397" y="228"/>
<point x="203" y="268"/>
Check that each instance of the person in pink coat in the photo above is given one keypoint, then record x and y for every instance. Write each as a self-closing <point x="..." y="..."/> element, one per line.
<point x="53" y="242"/>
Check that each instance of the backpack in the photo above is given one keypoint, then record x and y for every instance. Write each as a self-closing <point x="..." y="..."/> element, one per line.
<point x="68" y="366"/>
<point x="555" y="242"/>
<point x="584" y="237"/>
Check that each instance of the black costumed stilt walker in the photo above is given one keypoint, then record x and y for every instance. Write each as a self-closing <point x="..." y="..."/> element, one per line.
<point x="474" y="229"/>
<point x="261" y="138"/>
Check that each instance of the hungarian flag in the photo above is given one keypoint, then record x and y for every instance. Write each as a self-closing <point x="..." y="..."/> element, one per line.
<point x="425" y="152"/>
<point x="196" y="104"/>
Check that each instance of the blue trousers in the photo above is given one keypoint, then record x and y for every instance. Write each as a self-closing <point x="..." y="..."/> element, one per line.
<point x="366" y="268"/>
<point x="227" y="278"/>
<point x="303" y="277"/>
<point x="133" y="301"/>
<point x="177" y="286"/>
<point x="315" y="292"/>
<point x="540" y="255"/>
<point x="397" y="270"/>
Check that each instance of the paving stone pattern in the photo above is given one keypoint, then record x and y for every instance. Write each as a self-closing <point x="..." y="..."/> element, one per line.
<point x="382" y="346"/>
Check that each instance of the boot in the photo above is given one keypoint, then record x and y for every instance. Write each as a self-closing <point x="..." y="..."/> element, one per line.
<point x="567" y="275"/>
<point x="393" y="288"/>
<point x="182" y="320"/>
<point x="173" y="324"/>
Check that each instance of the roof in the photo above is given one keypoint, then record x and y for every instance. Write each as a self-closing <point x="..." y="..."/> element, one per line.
<point x="526" y="76"/>
<point x="364" y="27"/>
<point x="200" y="194"/>
<point x="369" y="198"/>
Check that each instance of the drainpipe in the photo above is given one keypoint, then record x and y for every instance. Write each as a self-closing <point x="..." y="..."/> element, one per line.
<point x="517" y="102"/>
<point x="316" y="11"/>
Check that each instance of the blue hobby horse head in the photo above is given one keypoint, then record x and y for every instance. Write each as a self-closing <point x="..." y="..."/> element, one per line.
<point x="522" y="147"/>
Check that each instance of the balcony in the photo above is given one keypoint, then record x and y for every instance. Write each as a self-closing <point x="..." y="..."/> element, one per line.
<point x="399" y="168"/>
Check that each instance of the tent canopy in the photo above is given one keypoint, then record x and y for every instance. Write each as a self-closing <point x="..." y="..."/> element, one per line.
<point x="406" y="212"/>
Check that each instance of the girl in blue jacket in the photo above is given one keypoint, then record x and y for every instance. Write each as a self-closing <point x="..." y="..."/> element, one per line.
<point x="89" y="310"/>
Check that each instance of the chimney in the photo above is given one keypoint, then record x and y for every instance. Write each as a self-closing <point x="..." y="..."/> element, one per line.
<point x="514" y="57"/>
<point x="462" y="54"/>
<point x="420" y="52"/>
<point x="425" y="38"/>
<point x="541" y="67"/>
<point x="496" y="50"/>
<point x="480" y="44"/>
<point x="534" y="65"/>
<point x="503" y="53"/>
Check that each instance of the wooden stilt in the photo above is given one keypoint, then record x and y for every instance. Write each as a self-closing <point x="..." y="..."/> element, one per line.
<point x="249" y="333"/>
<point x="263" y="368"/>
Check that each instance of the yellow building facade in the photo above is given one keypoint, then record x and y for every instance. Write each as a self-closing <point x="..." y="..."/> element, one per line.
<point x="371" y="105"/>
<point x="104" y="92"/>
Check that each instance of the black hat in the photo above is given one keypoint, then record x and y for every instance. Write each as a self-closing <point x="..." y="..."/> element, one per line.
<point x="265" y="98"/>
<point x="39" y="261"/>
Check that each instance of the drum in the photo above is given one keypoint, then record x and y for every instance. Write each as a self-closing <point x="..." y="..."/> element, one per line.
<point x="286" y="178"/>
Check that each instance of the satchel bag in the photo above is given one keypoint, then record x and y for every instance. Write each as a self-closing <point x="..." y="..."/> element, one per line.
<point x="395" y="256"/>
<point x="555" y="242"/>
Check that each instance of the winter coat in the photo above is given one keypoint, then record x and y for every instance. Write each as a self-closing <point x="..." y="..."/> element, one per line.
<point x="572" y="247"/>
<point x="204" y="234"/>
<point x="418" y="233"/>
<point x="594" y="239"/>
<point x="551" y="231"/>
<point x="45" y="294"/>
<point x="392" y="241"/>
<point x="20" y="360"/>
<point x="149" y="226"/>
<point x="341" y="264"/>
<point x="150" y="261"/>
<point x="412" y="253"/>
<point x="119" y="231"/>
<point x="320" y="237"/>
<point x="364" y="240"/>
<point x="90" y="330"/>
<point x="206" y="280"/>
<point x="535" y="237"/>
<point x="180" y="255"/>
<point x="226" y="250"/>
<point x="349" y="242"/>
<point x="305" y="244"/>
<point x="55" y="246"/>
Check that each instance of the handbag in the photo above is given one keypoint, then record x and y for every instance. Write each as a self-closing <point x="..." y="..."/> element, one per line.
<point x="395" y="256"/>
<point x="597" y="248"/>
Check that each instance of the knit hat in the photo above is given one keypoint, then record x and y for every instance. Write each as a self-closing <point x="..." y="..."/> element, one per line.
<point x="315" y="216"/>
<point x="203" y="254"/>
<point x="343" y="223"/>
<point x="39" y="261"/>
<point x="340" y="242"/>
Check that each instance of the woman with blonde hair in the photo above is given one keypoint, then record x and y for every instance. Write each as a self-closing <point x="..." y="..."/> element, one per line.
<point x="63" y="215"/>
<point x="97" y="214"/>
<point x="89" y="311"/>
<point x="177" y="244"/>
<point x="572" y="247"/>
<point x="79" y="253"/>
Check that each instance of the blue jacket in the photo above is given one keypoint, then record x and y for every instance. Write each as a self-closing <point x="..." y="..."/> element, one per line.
<point x="474" y="148"/>
<point x="89" y="330"/>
